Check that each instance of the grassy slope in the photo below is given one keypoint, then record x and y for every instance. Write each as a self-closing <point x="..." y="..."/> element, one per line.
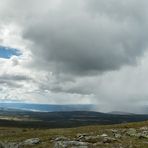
<point x="19" y="134"/>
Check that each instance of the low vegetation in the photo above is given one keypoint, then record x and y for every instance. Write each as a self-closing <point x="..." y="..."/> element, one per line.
<point x="131" y="135"/>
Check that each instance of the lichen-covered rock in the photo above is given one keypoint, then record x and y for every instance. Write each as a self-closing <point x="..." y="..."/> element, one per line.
<point x="82" y="134"/>
<point x="132" y="132"/>
<point x="114" y="130"/>
<point x="61" y="138"/>
<point x="117" y="135"/>
<point x="144" y="128"/>
<point x="108" y="140"/>
<point x="9" y="145"/>
<point x="142" y="135"/>
<point x="66" y="144"/>
<point x="93" y="139"/>
<point x="31" y="141"/>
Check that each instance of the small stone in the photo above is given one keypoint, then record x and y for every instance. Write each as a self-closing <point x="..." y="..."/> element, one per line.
<point x="114" y="130"/>
<point x="144" y="128"/>
<point x="62" y="138"/>
<point x="117" y="135"/>
<point x="104" y="135"/>
<point x="108" y="140"/>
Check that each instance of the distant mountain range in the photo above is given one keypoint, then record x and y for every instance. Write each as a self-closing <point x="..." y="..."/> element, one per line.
<point x="120" y="113"/>
<point x="47" y="107"/>
<point x="57" y="107"/>
<point x="61" y="119"/>
<point x="50" y="116"/>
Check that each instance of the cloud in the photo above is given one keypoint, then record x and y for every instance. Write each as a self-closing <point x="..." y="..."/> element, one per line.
<point x="83" y="37"/>
<point x="78" y="41"/>
<point x="89" y="50"/>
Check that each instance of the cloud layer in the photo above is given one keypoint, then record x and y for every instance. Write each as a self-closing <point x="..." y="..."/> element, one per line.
<point x="90" y="51"/>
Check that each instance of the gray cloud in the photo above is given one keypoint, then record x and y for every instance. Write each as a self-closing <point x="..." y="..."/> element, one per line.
<point x="14" y="81"/>
<point x="10" y="84"/>
<point x="14" y="77"/>
<point x="83" y="37"/>
<point x="75" y="40"/>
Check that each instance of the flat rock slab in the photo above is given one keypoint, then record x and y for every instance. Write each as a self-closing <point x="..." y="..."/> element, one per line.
<point x="9" y="145"/>
<point x="31" y="141"/>
<point x="72" y="144"/>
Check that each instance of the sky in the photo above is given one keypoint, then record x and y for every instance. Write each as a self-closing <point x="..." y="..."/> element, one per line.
<point x="75" y="52"/>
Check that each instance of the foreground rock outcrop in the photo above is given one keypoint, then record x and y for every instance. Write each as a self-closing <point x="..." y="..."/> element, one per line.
<point x="103" y="138"/>
<point x="27" y="142"/>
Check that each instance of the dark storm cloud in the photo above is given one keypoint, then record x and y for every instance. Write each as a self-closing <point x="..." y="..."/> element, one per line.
<point x="84" y="38"/>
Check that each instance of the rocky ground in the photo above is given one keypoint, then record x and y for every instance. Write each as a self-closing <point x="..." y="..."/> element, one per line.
<point x="110" y="138"/>
<point x="99" y="138"/>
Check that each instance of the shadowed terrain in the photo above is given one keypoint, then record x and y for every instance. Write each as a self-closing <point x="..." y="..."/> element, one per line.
<point x="18" y="118"/>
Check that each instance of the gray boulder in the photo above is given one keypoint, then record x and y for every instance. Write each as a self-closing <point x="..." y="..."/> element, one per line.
<point x="104" y="135"/>
<point x="31" y="141"/>
<point x="62" y="138"/>
<point x="144" y="128"/>
<point x="114" y="130"/>
<point x="9" y="145"/>
<point x="108" y="140"/>
<point x="132" y="132"/>
<point x="142" y="135"/>
<point x="92" y="138"/>
<point x="117" y="135"/>
<point x="66" y="144"/>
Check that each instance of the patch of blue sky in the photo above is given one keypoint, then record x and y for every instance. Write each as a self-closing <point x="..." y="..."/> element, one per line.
<point x="8" y="52"/>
